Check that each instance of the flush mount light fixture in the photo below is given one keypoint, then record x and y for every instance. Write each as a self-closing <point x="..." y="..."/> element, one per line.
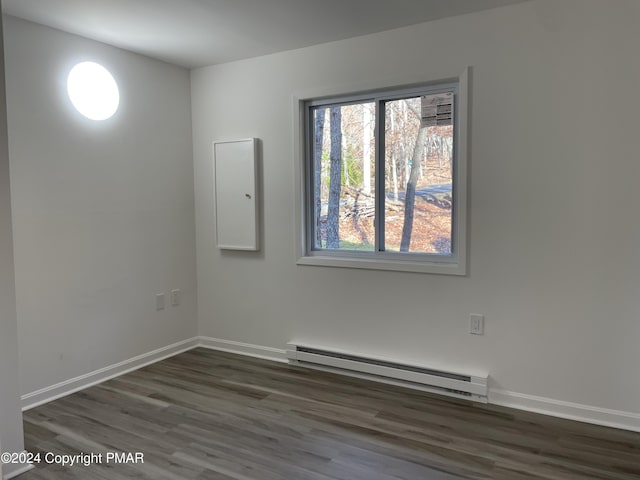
<point x="93" y="91"/>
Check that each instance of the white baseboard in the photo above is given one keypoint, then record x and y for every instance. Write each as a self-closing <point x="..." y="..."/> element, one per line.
<point x="546" y="406"/>
<point x="10" y="470"/>
<point x="62" y="389"/>
<point x="258" y="351"/>
<point x="570" y="411"/>
<point x="519" y="401"/>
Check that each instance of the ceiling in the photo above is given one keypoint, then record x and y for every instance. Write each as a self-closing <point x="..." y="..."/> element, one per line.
<point x="195" y="33"/>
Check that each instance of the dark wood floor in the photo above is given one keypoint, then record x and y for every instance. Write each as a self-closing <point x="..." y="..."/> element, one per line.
<point x="212" y="415"/>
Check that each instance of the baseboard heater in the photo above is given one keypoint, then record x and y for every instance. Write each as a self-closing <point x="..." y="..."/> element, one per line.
<point x="452" y="384"/>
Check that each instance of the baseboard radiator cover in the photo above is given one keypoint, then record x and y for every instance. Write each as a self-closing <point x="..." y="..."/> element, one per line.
<point x="453" y="384"/>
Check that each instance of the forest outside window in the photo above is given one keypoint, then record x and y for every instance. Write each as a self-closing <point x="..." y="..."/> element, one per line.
<point x="383" y="182"/>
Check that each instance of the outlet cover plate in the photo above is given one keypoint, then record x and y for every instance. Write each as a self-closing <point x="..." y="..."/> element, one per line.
<point x="160" y="301"/>
<point x="476" y="324"/>
<point x="175" y="297"/>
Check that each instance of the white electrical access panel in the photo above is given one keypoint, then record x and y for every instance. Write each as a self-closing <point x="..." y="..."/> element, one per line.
<point x="236" y="195"/>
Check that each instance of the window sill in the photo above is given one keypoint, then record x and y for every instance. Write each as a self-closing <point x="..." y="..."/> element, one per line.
<point x="453" y="268"/>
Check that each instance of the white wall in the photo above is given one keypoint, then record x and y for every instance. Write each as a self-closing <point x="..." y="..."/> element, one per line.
<point x="103" y="211"/>
<point x="553" y="231"/>
<point x="10" y="414"/>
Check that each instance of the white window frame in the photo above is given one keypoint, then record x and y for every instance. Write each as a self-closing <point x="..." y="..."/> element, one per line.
<point x="454" y="264"/>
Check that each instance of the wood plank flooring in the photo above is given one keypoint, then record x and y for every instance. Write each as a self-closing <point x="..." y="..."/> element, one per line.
<point x="206" y="415"/>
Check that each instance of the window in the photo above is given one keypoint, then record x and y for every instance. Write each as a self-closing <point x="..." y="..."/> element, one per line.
<point x="384" y="179"/>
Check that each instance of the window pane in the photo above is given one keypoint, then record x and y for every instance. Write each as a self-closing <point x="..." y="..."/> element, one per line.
<point x="343" y="177"/>
<point x="419" y="174"/>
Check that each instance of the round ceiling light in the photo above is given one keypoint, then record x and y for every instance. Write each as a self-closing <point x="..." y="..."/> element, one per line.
<point x="93" y="91"/>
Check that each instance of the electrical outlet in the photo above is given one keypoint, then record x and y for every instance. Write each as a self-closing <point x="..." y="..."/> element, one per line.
<point x="175" y="297"/>
<point x="476" y="324"/>
<point x="160" y="301"/>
